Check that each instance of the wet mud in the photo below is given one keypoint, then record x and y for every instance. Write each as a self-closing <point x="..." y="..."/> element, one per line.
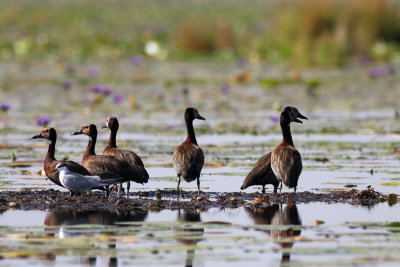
<point x="169" y="199"/>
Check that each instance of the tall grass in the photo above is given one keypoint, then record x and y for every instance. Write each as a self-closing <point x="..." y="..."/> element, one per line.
<point x="301" y="32"/>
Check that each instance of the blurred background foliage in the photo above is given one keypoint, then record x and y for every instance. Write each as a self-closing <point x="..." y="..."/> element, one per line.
<point x="295" y="32"/>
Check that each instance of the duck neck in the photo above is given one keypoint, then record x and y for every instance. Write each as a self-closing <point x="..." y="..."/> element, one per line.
<point x="90" y="150"/>
<point x="51" y="150"/>
<point x="191" y="136"/>
<point x="112" y="141"/>
<point x="287" y="135"/>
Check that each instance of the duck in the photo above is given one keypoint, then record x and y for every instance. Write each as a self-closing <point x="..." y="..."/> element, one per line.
<point x="261" y="174"/>
<point x="123" y="154"/>
<point x="188" y="158"/>
<point x="285" y="159"/>
<point x="50" y="162"/>
<point x="105" y="165"/>
<point x="78" y="183"/>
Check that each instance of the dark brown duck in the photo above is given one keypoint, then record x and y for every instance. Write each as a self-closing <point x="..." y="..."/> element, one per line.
<point x="188" y="158"/>
<point x="285" y="159"/>
<point x="261" y="174"/>
<point x="123" y="154"/>
<point x="104" y="164"/>
<point x="50" y="161"/>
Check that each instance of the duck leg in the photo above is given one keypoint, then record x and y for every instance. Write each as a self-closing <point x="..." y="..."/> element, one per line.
<point x="128" y="186"/>
<point x="72" y="193"/>
<point x="120" y="189"/>
<point x="295" y="189"/>
<point x="280" y="190"/>
<point x="276" y="189"/>
<point x="179" y="182"/>
<point x="198" y="185"/>
<point x="263" y="190"/>
<point x="107" y="194"/>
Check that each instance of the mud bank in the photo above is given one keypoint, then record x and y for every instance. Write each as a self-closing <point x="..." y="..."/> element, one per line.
<point x="150" y="200"/>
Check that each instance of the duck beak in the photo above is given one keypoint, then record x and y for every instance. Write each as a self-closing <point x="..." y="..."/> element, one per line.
<point x="200" y="117"/>
<point x="78" y="132"/>
<point x="299" y="115"/>
<point x="104" y="126"/>
<point x="37" y="136"/>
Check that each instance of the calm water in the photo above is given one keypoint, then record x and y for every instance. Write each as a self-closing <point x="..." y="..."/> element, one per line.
<point x="350" y="139"/>
<point x="227" y="237"/>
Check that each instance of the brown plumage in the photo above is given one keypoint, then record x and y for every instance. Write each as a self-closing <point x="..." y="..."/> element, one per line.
<point x="188" y="158"/>
<point x="101" y="164"/>
<point x="50" y="161"/>
<point x="261" y="174"/>
<point x="285" y="159"/>
<point x="123" y="154"/>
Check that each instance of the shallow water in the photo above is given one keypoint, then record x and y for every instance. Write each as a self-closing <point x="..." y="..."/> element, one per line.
<point x="350" y="141"/>
<point x="346" y="235"/>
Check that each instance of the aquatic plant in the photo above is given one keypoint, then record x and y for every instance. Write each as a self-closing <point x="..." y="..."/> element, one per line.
<point x="118" y="98"/>
<point x="67" y="85"/>
<point x="137" y="60"/>
<point x="225" y="88"/>
<point x="43" y="121"/>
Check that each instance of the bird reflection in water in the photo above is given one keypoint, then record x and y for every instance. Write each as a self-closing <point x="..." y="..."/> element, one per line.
<point x="66" y="218"/>
<point x="275" y="215"/>
<point x="189" y="234"/>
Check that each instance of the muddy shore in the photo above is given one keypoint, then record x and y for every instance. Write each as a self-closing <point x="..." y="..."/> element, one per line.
<point x="168" y="199"/>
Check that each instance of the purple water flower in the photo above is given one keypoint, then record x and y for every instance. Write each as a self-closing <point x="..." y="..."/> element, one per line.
<point x="4" y="107"/>
<point x="225" y="88"/>
<point x="106" y="91"/>
<point x="169" y="127"/>
<point x="67" y="85"/>
<point x="43" y="121"/>
<point x="241" y="63"/>
<point x="376" y="72"/>
<point x="364" y="60"/>
<point x="185" y="90"/>
<point x="275" y="118"/>
<point x="136" y="60"/>
<point x="97" y="88"/>
<point x="93" y="71"/>
<point x="118" y="98"/>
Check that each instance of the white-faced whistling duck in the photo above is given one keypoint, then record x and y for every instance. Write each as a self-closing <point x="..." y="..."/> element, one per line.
<point x="123" y="154"/>
<point x="285" y="159"/>
<point x="261" y="174"/>
<point x="79" y="183"/>
<point x="50" y="161"/>
<point x="105" y="164"/>
<point x="188" y="158"/>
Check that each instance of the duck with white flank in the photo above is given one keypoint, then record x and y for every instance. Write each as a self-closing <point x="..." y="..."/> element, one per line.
<point x="123" y="154"/>
<point x="188" y="158"/>
<point x="285" y="159"/>
<point x="78" y="183"/>
<point x="50" y="161"/>
<point x="105" y="164"/>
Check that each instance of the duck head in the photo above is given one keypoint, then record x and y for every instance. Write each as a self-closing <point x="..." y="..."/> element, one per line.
<point x="192" y="113"/>
<point x="111" y="123"/>
<point x="48" y="133"/>
<point x="87" y="129"/>
<point x="292" y="114"/>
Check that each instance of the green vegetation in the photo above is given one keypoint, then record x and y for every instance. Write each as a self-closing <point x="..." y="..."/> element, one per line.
<point x="311" y="32"/>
